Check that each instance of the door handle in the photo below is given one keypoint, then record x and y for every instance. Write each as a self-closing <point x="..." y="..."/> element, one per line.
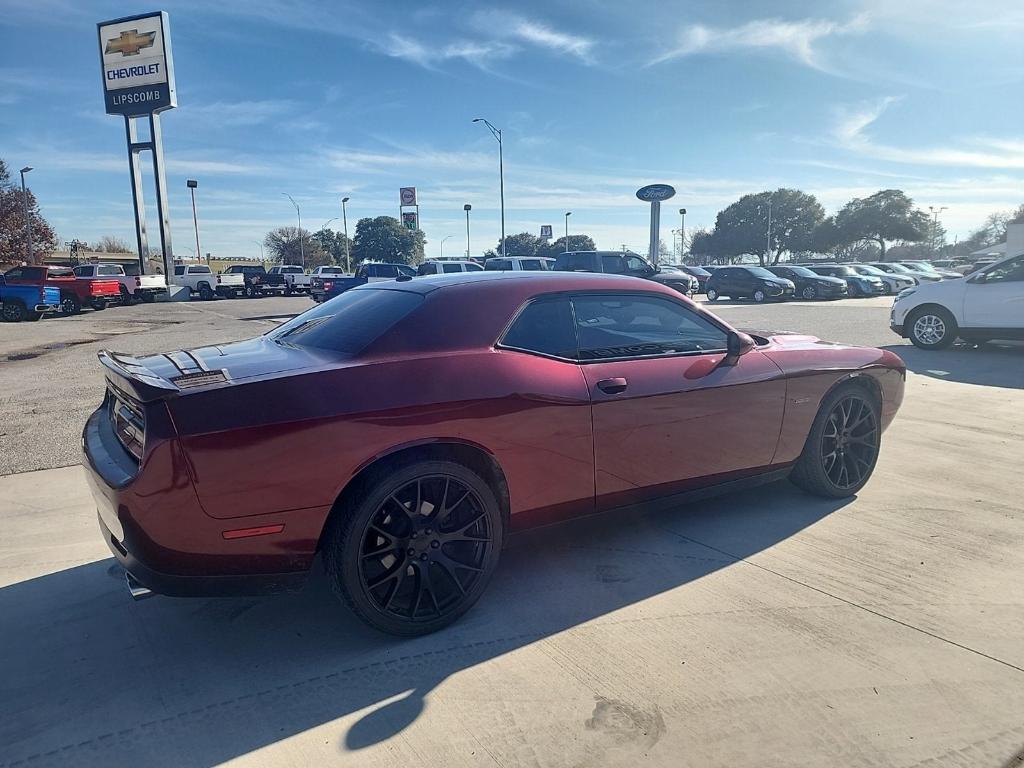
<point x="612" y="386"/>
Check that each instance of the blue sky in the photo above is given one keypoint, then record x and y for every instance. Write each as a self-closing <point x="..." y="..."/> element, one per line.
<point x="326" y="99"/>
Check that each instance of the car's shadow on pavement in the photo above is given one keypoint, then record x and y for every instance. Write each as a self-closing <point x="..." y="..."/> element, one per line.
<point x="89" y="678"/>
<point x="994" y="364"/>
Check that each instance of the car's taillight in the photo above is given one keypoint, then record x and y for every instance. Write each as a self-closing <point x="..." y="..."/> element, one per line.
<point x="129" y="423"/>
<point x="218" y="278"/>
<point x="42" y="295"/>
<point x="328" y="285"/>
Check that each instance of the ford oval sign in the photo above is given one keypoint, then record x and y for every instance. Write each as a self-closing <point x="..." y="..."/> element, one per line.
<point x="655" y="192"/>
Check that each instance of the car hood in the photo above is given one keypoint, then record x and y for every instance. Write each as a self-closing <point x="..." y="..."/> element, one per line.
<point x="239" y="360"/>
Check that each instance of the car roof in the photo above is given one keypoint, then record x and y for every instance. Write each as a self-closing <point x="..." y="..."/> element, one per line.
<point x="538" y="282"/>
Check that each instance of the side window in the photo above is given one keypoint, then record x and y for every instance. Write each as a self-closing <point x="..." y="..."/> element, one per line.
<point x="530" y="264"/>
<point x="199" y="270"/>
<point x="387" y="270"/>
<point x="179" y="270"/>
<point x="1011" y="271"/>
<point x="108" y="270"/>
<point x="474" y="268"/>
<point x="82" y="271"/>
<point x="629" y="325"/>
<point x="613" y="263"/>
<point x="451" y="267"/>
<point x="544" y="326"/>
<point x="635" y="264"/>
<point x="497" y="265"/>
<point x="371" y="270"/>
<point x="14" y="274"/>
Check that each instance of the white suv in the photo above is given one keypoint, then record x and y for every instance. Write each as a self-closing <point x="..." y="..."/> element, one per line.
<point x="987" y="304"/>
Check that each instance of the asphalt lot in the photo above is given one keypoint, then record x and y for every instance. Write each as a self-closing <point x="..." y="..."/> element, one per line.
<point x="765" y="628"/>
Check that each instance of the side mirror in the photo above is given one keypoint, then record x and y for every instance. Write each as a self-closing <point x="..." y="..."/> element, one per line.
<point x="737" y="344"/>
<point x="981" y="277"/>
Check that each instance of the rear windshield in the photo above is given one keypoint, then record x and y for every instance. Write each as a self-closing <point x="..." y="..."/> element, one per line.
<point x="350" y="322"/>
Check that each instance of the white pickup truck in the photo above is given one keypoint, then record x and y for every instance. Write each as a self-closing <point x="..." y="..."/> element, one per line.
<point x="295" y="278"/>
<point x="199" y="278"/>
<point x="134" y="288"/>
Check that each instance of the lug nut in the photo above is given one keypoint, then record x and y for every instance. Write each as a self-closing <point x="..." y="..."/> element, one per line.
<point x="423" y="556"/>
<point x="411" y="552"/>
<point x="435" y="544"/>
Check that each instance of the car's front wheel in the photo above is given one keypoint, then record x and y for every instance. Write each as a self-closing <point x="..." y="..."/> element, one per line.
<point x="842" y="446"/>
<point x="712" y="294"/>
<point x="809" y="292"/>
<point x="416" y="548"/>
<point x="932" y="328"/>
<point x="760" y="296"/>
<point x="14" y="311"/>
<point x="887" y="288"/>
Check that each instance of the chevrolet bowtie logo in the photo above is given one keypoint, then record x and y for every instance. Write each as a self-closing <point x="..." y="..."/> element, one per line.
<point x="130" y="42"/>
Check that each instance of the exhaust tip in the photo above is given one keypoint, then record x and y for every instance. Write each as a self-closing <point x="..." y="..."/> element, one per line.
<point x="135" y="589"/>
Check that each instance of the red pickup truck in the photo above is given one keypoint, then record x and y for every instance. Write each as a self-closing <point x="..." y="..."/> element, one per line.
<point x="75" y="292"/>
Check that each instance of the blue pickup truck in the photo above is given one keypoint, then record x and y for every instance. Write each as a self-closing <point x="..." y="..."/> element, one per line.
<point x="27" y="302"/>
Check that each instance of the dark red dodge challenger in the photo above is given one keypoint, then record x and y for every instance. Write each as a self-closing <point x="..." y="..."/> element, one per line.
<point x="404" y="428"/>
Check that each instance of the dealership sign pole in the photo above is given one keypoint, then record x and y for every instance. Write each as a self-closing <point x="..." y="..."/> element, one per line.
<point x="138" y="82"/>
<point x="655" y="194"/>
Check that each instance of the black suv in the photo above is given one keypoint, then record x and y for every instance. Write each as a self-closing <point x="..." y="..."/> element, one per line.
<point x="811" y="285"/>
<point x="755" y="283"/>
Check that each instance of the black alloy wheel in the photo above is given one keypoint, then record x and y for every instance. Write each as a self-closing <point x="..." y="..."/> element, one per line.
<point x="70" y="305"/>
<point x="842" y="447"/>
<point x="419" y="548"/>
<point x="127" y="299"/>
<point x="14" y="311"/>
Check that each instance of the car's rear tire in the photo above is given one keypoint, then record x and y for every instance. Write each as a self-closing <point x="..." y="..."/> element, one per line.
<point x="14" y="312"/>
<point x="712" y="294"/>
<point x="414" y="550"/>
<point x="842" y="447"/>
<point x="127" y="299"/>
<point x="931" y="328"/>
<point x="886" y="288"/>
<point x="206" y="292"/>
<point x="809" y="292"/>
<point x="70" y="305"/>
<point x="148" y="298"/>
<point x="98" y="304"/>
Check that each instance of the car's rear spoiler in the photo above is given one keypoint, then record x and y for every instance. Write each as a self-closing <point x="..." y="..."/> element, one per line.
<point x="137" y="379"/>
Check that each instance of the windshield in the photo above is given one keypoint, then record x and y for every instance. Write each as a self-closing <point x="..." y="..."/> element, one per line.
<point x="866" y="270"/>
<point x="762" y="273"/>
<point x="405" y="270"/>
<point x="697" y="271"/>
<point x="350" y="322"/>
<point x="802" y="272"/>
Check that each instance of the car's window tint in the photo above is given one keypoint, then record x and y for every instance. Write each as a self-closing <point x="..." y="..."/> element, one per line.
<point x="109" y="270"/>
<point x="531" y="264"/>
<point x="350" y="322"/>
<point x="610" y="326"/>
<point x="199" y="270"/>
<point x="474" y="268"/>
<point x="14" y="274"/>
<point x="451" y="267"/>
<point x="179" y="270"/>
<point x="611" y="262"/>
<point x="636" y="264"/>
<point x="497" y="265"/>
<point x="544" y="326"/>
<point x="1011" y="271"/>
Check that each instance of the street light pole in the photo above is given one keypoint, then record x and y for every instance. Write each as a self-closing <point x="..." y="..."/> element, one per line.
<point x="467" y="208"/>
<point x="768" y="236"/>
<point x="682" y="234"/>
<point x="28" y="221"/>
<point x="501" y="176"/>
<point x="567" y="215"/>
<point x="446" y="237"/>
<point x="344" y="221"/>
<point x="298" y="214"/>
<point x="935" y="228"/>
<point x="192" y="184"/>
<point x="261" y="249"/>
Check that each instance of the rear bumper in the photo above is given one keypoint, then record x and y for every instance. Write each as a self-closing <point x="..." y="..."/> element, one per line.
<point x="153" y="525"/>
<point x="46" y="308"/>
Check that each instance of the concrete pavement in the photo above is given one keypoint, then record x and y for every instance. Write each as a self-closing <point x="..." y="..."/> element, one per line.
<point x="766" y="628"/>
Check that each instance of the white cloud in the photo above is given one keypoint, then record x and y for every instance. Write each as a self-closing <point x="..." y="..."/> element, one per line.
<point x="797" y="39"/>
<point x="546" y="37"/>
<point x="429" y="56"/>
<point x="850" y="133"/>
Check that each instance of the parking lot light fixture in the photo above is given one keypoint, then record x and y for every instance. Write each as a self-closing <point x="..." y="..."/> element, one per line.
<point x="298" y="214"/>
<point x="501" y="175"/>
<point x="192" y="184"/>
<point x="446" y="237"/>
<point x="467" y="208"/>
<point x="344" y="221"/>
<point x="28" y="220"/>
<point x="567" y="215"/>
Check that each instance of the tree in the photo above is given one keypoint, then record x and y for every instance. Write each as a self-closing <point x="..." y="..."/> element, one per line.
<point x="13" y="235"/>
<point x="111" y="244"/>
<point x="333" y="246"/>
<point x="523" y="244"/>
<point x="744" y="226"/>
<point x="993" y="230"/>
<point x="664" y="254"/>
<point x="286" y="247"/>
<point x="828" y="239"/>
<point x="702" y="246"/>
<point x="385" y="239"/>
<point x="576" y="243"/>
<point x="886" y="216"/>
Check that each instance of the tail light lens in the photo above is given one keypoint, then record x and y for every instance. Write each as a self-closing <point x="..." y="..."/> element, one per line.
<point x="328" y="285"/>
<point x="129" y="422"/>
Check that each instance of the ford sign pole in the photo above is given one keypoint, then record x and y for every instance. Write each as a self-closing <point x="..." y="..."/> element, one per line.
<point x="654" y="194"/>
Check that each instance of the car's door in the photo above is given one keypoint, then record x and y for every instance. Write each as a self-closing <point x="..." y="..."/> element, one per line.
<point x="998" y="302"/>
<point x="668" y="417"/>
